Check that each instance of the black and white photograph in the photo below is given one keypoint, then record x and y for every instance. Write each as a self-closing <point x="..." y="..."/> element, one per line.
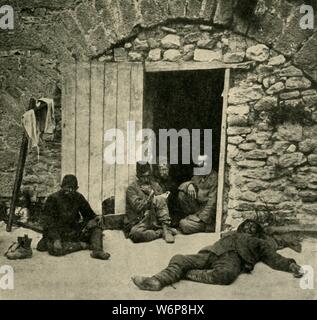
<point x="158" y="150"/>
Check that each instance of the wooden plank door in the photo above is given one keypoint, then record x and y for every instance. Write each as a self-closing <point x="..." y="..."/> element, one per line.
<point x="83" y="117"/>
<point x="98" y="97"/>
<point x="110" y="121"/>
<point x="129" y="114"/>
<point x="69" y="94"/>
<point x="96" y="135"/>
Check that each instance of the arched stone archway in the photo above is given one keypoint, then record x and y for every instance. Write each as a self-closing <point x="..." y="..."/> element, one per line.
<point x="270" y="155"/>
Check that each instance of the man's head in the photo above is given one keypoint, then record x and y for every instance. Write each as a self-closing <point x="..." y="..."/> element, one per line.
<point x="69" y="184"/>
<point x="203" y="165"/>
<point x="143" y="172"/>
<point x="251" y="227"/>
<point x="162" y="169"/>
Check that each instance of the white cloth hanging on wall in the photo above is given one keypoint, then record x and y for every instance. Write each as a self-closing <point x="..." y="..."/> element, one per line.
<point x="50" y="124"/>
<point x="30" y="125"/>
<point x="43" y="121"/>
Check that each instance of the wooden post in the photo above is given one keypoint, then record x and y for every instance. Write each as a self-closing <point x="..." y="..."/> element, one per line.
<point x="222" y="156"/>
<point x="19" y="172"/>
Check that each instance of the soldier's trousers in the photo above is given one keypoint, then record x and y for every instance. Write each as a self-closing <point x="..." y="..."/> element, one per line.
<point x="221" y="270"/>
<point x="92" y="237"/>
<point x="190" y="224"/>
<point x="150" y="227"/>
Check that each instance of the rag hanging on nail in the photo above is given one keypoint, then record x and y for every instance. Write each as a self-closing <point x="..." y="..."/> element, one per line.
<point x="39" y="121"/>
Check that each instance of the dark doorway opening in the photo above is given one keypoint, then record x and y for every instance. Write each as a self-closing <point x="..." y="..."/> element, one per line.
<point x="189" y="100"/>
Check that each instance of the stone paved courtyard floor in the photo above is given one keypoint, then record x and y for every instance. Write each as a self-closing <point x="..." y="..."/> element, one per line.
<point x="77" y="276"/>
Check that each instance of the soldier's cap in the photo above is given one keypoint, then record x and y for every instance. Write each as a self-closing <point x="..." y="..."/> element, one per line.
<point x="259" y="229"/>
<point x="143" y="168"/>
<point x="70" y="180"/>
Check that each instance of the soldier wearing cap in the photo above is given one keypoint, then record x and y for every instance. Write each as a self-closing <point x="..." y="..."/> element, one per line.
<point x="147" y="214"/>
<point x="70" y="224"/>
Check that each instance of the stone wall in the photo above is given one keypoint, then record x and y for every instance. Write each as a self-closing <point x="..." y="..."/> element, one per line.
<point x="42" y="172"/>
<point x="271" y="167"/>
<point x="49" y="33"/>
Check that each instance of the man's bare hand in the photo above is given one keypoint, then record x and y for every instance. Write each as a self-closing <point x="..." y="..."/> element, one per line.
<point x="191" y="191"/>
<point x="93" y="223"/>
<point x="147" y="189"/>
<point x="296" y="270"/>
<point x="99" y="221"/>
<point x="193" y="217"/>
<point x="165" y="195"/>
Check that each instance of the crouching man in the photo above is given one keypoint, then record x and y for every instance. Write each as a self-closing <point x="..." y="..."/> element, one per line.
<point x="147" y="214"/>
<point x="221" y="263"/>
<point x="69" y="223"/>
<point x="197" y="199"/>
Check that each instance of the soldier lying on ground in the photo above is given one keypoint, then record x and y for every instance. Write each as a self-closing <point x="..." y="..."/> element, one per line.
<point x="63" y="230"/>
<point x="197" y="199"/>
<point x="221" y="263"/>
<point x="147" y="214"/>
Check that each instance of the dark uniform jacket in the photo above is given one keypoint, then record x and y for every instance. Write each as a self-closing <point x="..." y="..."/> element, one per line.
<point x="137" y="203"/>
<point x="63" y="214"/>
<point x="251" y="250"/>
<point x="167" y="185"/>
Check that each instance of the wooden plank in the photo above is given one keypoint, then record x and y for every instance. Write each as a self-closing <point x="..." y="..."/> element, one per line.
<point x="82" y="127"/>
<point x="63" y="120"/>
<point x="190" y="65"/>
<point x="19" y="172"/>
<point x="136" y="116"/>
<point x="69" y="119"/>
<point x="109" y="118"/>
<point x="96" y="136"/>
<point x="222" y="156"/>
<point x="18" y="179"/>
<point x="123" y="112"/>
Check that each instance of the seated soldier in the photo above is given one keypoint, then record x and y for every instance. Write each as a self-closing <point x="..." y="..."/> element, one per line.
<point x="147" y="215"/>
<point x="197" y="199"/>
<point x="63" y="230"/>
<point x="161" y="173"/>
<point x="221" y="263"/>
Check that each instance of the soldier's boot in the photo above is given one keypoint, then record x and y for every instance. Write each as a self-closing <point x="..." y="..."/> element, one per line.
<point x="97" y="245"/>
<point x="21" y="249"/>
<point x="173" y="231"/>
<point x="147" y="283"/>
<point x="203" y="276"/>
<point x="145" y="236"/>
<point x="168" y="235"/>
<point x="84" y="245"/>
